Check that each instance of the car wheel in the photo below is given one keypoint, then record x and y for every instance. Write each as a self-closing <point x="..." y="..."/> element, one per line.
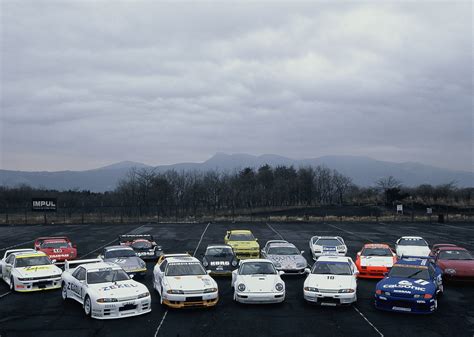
<point x="87" y="306"/>
<point x="12" y="283"/>
<point x="64" y="291"/>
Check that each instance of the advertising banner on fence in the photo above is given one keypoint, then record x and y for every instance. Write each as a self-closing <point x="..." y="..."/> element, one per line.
<point x="44" y="204"/>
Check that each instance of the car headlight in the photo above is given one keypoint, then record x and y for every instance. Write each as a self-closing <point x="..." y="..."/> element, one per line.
<point x="387" y="293"/>
<point x="144" y="295"/>
<point x="142" y="264"/>
<point x="210" y="290"/>
<point x="450" y="271"/>
<point x="106" y="300"/>
<point x="234" y="263"/>
<point x="279" y="287"/>
<point x="315" y="290"/>
<point x="346" y="291"/>
<point x="204" y="263"/>
<point x="241" y="287"/>
<point x="300" y="265"/>
<point x="173" y="291"/>
<point x="416" y="296"/>
<point x="341" y="247"/>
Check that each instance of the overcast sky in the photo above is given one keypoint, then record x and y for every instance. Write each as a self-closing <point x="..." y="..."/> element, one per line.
<point x="89" y="83"/>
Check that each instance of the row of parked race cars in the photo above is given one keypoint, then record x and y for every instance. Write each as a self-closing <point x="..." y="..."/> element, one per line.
<point x="411" y="275"/>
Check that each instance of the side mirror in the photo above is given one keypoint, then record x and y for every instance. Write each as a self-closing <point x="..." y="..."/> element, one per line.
<point x="302" y="252"/>
<point x="356" y="272"/>
<point x="307" y="270"/>
<point x="53" y="261"/>
<point x="132" y="275"/>
<point x="358" y="253"/>
<point x="281" y="272"/>
<point x="208" y="272"/>
<point x="385" y="274"/>
<point x="74" y="246"/>
<point x="256" y="240"/>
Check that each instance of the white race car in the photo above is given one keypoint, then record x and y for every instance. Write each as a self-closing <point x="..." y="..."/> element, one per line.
<point x="104" y="289"/>
<point x="182" y="281"/>
<point x="414" y="246"/>
<point x="327" y="245"/>
<point x="332" y="281"/>
<point x="26" y="270"/>
<point x="258" y="281"/>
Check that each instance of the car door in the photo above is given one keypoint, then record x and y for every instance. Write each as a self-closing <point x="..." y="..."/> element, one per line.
<point x="264" y="252"/>
<point x="436" y="275"/>
<point x="161" y="274"/>
<point x="7" y="268"/>
<point x="76" y="284"/>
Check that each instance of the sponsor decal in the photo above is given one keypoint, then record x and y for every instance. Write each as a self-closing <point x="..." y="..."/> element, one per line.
<point x="43" y="204"/>
<point x="220" y="263"/>
<point x="405" y="285"/>
<point x="118" y="286"/>
<point x="36" y="268"/>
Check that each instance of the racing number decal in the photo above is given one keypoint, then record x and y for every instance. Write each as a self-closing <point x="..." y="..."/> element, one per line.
<point x="77" y="290"/>
<point x="330" y="277"/>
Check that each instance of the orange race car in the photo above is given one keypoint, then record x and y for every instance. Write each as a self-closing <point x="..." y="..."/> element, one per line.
<point x="374" y="260"/>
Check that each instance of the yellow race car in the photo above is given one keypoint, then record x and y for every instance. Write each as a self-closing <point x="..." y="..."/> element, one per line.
<point x="243" y="242"/>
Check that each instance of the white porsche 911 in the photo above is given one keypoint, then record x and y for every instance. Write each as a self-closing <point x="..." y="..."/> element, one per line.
<point x="327" y="245"/>
<point x="258" y="281"/>
<point x="332" y="281"/>
<point x="26" y="270"/>
<point x="182" y="281"/>
<point x="414" y="246"/>
<point x="104" y="289"/>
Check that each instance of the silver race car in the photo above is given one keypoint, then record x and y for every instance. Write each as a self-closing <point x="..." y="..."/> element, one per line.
<point x="285" y="256"/>
<point x="126" y="258"/>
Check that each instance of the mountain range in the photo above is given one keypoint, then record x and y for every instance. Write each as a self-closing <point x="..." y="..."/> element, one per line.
<point x="364" y="171"/>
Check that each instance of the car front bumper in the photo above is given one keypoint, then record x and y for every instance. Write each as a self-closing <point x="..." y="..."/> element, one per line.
<point x="372" y="272"/>
<point x="330" y="299"/>
<point x="191" y="300"/>
<point x="247" y="254"/>
<point x="121" y="309"/>
<point x="408" y="305"/>
<point x="260" y="298"/>
<point x="37" y="285"/>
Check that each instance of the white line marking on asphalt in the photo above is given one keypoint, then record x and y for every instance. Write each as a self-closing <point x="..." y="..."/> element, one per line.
<point x="3" y="295"/>
<point x="352" y="233"/>
<point x="273" y="229"/>
<point x="18" y="244"/>
<point x="370" y="323"/>
<point x="108" y="243"/>
<point x="195" y="251"/>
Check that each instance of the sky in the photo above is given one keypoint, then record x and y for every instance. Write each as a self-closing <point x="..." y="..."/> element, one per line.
<point x="89" y="83"/>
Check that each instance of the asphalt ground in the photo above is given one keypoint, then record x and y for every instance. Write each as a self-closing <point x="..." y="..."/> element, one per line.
<point x="45" y="314"/>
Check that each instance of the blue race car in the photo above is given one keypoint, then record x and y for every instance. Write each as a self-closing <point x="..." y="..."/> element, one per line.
<point x="412" y="285"/>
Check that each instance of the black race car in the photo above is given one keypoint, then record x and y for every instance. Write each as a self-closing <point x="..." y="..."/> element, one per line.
<point x="220" y="259"/>
<point x="143" y="244"/>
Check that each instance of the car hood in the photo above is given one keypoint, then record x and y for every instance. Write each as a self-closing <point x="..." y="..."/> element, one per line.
<point x="421" y="251"/>
<point x="191" y="282"/>
<point x="458" y="265"/>
<point x="118" y="289"/>
<point x="126" y="262"/>
<point x="244" y="244"/>
<point x="406" y="286"/>
<point x="287" y="261"/>
<point x="38" y="271"/>
<point x="376" y="261"/>
<point x="259" y="283"/>
<point x="323" y="282"/>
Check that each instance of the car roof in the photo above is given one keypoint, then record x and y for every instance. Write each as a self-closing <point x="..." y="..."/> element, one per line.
<point x="99" y="265"/>
<point x="331" y="258"/>
<point x="218" y="245"/>
<point x="181" y="259"/>
<point x="376" y="245"/>
<point x="338" y="238"/>
<point x="240" y="231"/>
<point x="411" y="238"/>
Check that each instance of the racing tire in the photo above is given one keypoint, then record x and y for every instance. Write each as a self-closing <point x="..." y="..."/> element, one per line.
<point x="64" y="292"/>
<point x="87" y="306"/>
<point x="12" y="284"/>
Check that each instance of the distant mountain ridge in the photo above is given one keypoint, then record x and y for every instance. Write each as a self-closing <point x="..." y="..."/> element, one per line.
<point x="364" y="171"/>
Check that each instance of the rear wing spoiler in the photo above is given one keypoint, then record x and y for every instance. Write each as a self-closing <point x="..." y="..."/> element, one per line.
<point x="131" y="237"/>
<point x="416" y="257"/>
<point x="40" y="240"/>
<point x="164" y="256"/>
<point x="71" y="265"/>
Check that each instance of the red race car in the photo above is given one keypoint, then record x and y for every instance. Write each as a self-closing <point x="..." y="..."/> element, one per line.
<point x="58" y="248"/>
<point x="374" y="260"/>
<point x="456" y="263"/>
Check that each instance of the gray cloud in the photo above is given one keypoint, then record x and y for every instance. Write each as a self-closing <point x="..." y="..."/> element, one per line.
<point x="89" y="83"/>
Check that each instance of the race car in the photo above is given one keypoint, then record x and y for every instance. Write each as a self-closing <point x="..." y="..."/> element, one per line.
<point x="243" y="242"/>
<point x="332" y="281"/>
<point x="220" y="259"/>
<point x="26" y="270"/>
<point x="126" y="258"/>
<point x="258" y="281"/>
<point x="182" y="281"/>
<point x="374" y="260"/>
<point x="412" y="246"/>
<point x="412" y="285"/>
<point x="327" y="245"/>
<point x="58" y="248"/>
<point x="456" y="263"/>
<point x="143" y="244"/>
<point x="285" y="256"/>
<point x="104" y="289"/>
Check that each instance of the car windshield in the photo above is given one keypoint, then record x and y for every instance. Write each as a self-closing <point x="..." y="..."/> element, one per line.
<point x="242" y="237"/>
<point x="111" y="254"/>
<point x="219" y="252"/>
<point x="184" y="269"/>
<point x="376" y="252"/>
<point x="252" y="268"/>
<point x="417" y="272"/>
<point x="455" y="255"/>
<point x="106" y="276"/>
<point x="283" y="251"/>
<point x="328" y="242"/>
<point x="32" y="261"/>
<point x="332" y="268"/>
<point x="412" y="242"/>
<point x="142" y="245"/>
<point x="58" y="244"/>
